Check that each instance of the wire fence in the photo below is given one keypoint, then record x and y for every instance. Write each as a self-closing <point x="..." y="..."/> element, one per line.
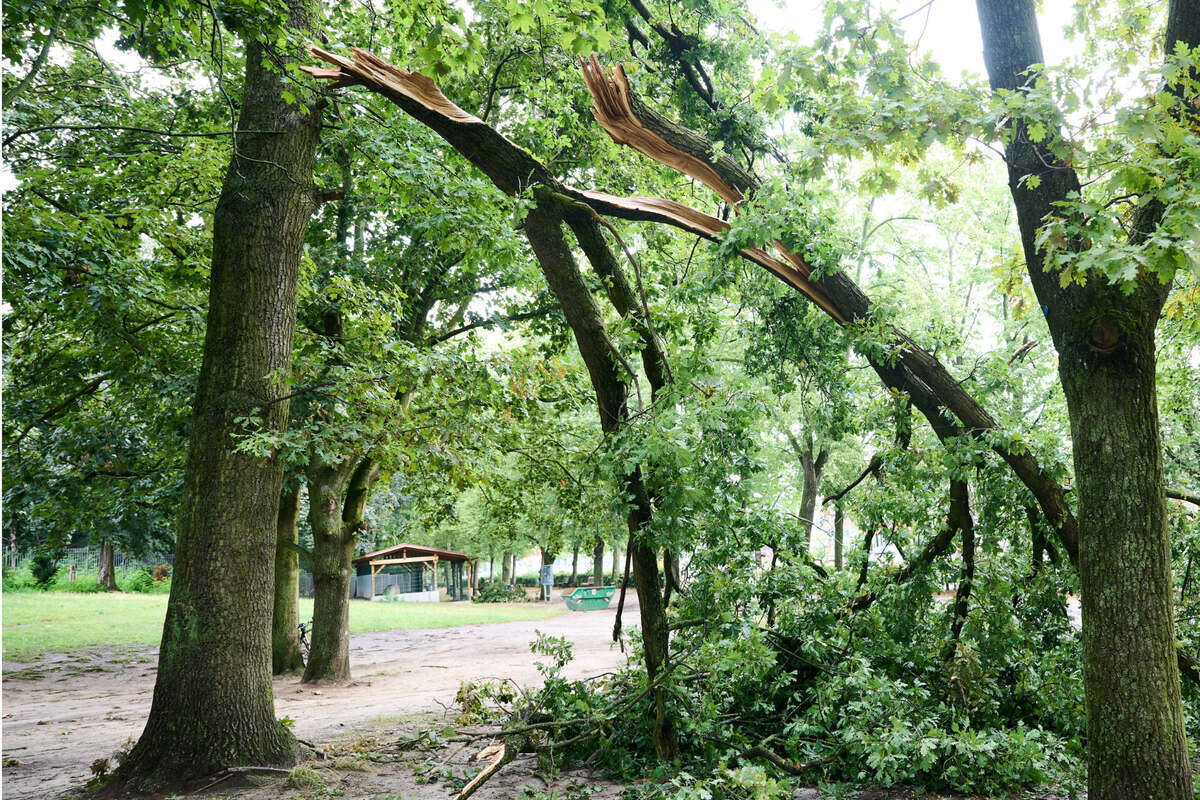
<point x="87" y="559"/>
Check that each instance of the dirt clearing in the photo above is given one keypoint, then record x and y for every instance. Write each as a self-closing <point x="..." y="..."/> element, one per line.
<point x="63" y="712"/>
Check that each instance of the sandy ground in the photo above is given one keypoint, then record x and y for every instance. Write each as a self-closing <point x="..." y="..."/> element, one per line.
<point x="64" y="712"/>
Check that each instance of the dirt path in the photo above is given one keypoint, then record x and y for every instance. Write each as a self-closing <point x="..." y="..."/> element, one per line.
<point x="64" y="712"/>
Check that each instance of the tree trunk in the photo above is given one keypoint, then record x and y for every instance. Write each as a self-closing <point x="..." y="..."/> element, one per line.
<point x="332" y="550"/>
<point x="1104" y="335"/>
<point x="598" y="562"/>
<point x="543" y="227"/>
<point x="544" y="592"/>
<point x="839" y="533"/>
<point x="106" y="573"/>
<point x="960" y="516"/>
<point x="867" y="540"/>
<point x="285" y="639"/>
<point x="1136" y="740"/>
<point x="655" y="633"/>
<point x="814" y="465"/>
<point x="213" y="705"/>
<point x="506" y="569"/>
<point x="574" y="566"/>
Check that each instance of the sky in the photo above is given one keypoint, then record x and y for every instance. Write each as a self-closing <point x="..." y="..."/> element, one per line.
<point x="949" y="29"/>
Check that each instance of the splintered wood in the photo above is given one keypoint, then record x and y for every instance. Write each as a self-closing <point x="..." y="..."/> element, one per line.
<point x="371" y="71"/>
<point x="613" y="108"/>
<point x="513" y="168"/>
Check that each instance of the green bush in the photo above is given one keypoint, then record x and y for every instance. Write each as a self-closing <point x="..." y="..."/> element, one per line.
<point x="139" y="580"/>
<point x="44" y="566"/>
<point x="84" y="582"/>
<point x="496" y="592"/>
<point x="19" y="578"/>
<point x="529" y="579"/>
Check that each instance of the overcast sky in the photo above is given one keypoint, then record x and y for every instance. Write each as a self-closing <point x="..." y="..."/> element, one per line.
<point x="949" y="29"/>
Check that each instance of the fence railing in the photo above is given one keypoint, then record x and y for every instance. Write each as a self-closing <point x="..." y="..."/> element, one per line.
<point x="87" y="559"/>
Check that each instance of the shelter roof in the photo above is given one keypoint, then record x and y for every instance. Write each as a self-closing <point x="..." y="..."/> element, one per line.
<point x="406" y="550"/>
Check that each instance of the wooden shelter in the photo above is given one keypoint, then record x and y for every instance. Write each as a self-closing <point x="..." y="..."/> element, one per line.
<point x="411" y="572"/>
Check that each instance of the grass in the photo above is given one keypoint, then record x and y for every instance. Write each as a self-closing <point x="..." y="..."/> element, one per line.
<point x="36" y="623"/>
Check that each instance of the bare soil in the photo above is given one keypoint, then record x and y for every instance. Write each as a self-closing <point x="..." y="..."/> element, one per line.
<point x="63" y="712"/>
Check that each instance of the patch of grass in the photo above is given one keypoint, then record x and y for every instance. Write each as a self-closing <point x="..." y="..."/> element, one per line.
<point x="304" y="778"/>
<point x="351" y="764"/>
<point x="36" y="623"/>
<point x="366" y="616"/>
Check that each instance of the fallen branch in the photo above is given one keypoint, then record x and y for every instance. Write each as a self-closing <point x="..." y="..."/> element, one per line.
<point x="1180" y="494"/>
<point x="505" y="753"/>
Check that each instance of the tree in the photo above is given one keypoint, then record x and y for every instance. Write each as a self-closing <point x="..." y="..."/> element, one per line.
<point x="215" y="657"/>
<point x="285" y="613"/>
<point x="1102" y="321"/>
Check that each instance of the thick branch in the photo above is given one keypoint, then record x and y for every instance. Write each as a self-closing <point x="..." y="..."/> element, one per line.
<point x="958" y="519"/>
<point x="1180" y="494"/>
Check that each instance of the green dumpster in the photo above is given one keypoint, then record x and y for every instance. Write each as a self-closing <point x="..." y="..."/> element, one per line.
<point x="589" y="598"/>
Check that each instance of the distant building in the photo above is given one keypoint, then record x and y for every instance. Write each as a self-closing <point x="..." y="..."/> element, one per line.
<point x="413" y="573"/>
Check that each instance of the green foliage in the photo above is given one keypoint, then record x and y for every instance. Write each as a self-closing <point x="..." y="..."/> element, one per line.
<point x="496" y="592"/>
<point x="43" y="567"/>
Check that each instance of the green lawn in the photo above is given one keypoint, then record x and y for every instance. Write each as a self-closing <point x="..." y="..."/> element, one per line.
<point x="61" y="622"/>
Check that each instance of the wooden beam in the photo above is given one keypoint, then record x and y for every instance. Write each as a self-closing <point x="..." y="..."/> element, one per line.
<point x="385" y="561"/>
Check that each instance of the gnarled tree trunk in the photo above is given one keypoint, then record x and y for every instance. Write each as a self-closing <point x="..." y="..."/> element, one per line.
<point x="839" y="536"/>
<point x="213" y="705"/>
<point x="1136" y="741"/>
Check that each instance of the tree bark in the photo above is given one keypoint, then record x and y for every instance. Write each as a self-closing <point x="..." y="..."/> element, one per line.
<point x="285" y="639"/>
<point x="1136" y="741"/>
<point x="867" y="540"/>
<point x="966" y="524"/>
<point x="598" y="562"/>
<point x="506" y="569"/>
<point x="332" y="550"/>
<point x="1104" y="335"/>
<point x="106" y="573"/>
<point x="574" y="566"/>
<point x="812" y="463"/>
<point x="213" y="705"/>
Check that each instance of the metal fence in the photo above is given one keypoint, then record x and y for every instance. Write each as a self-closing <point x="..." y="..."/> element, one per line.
<point x="87" y="559"/>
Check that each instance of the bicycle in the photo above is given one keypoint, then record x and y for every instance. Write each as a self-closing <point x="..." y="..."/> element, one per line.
<point x="302" y="628"/>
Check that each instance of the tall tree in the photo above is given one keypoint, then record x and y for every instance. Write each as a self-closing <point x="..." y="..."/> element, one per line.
<point x="1103" y="328"/>
<point x="215" y="657"/>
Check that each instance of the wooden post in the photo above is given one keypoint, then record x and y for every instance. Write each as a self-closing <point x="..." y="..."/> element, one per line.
<point x="435" y="566"/>
<point x="375" y="570"/>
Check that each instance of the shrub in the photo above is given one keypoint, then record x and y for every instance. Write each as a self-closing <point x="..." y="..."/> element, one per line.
<point x="85" y="582"/>
<point x="140" y="580"/>
<point x="496" y="592"/>
<point x="44" y="566"/>
<point x="19" y="578"/>
<point x="529" y="579"/>
<point x="161" y="572"/>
